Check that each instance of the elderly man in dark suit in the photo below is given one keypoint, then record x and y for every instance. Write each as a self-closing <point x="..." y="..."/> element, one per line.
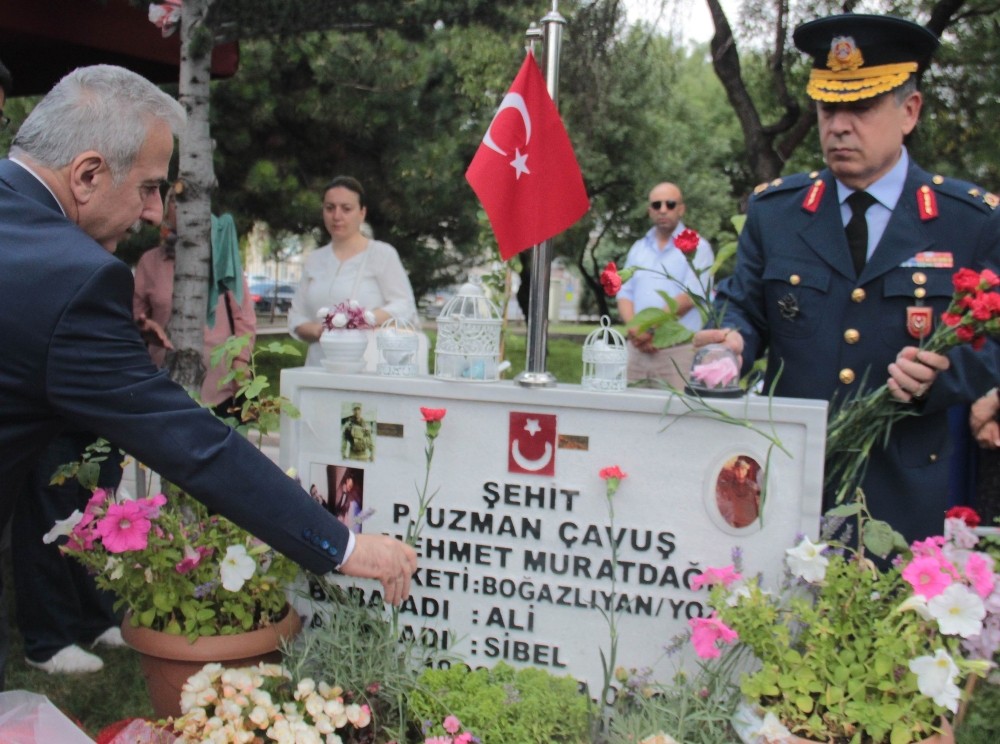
<point x="85" y="166"/>
<point x="835" y="267"/>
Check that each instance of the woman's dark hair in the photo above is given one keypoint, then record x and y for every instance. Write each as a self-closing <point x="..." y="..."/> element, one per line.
<point x="350" y="183"/>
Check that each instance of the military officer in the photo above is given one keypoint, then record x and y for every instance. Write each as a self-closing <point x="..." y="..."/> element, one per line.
<point x="840" y="270"/>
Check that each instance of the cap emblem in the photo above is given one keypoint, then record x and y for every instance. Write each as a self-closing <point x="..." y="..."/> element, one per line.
<point x="844" y="54"/>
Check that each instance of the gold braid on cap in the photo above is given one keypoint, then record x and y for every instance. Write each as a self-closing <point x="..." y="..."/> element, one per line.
<point x="833" y="87"/>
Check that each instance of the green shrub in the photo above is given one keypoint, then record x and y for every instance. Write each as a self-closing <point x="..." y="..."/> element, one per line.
<point x="526" y="706"/>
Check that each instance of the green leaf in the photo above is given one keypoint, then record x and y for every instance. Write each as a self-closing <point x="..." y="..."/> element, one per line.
<point x="880" y="538"/>
<point x="849" y="509"/>
<point x="671" y="333"/>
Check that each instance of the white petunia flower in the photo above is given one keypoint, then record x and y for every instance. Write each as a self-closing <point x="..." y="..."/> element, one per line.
<point x="958" y="611"/>
<point x="936" y="677"/>
<point x="236" y="568"/>
<point x="772" y="730"/>
<point x="806" y="561"/>
<point x="917" y="603"/>
<point x="62" y="527"/>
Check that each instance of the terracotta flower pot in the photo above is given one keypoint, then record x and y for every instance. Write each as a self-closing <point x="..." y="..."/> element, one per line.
<point x="168" y="660"/>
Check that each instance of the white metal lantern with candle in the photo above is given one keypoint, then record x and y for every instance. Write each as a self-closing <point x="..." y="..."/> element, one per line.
<point x="468" y="338"/>
<point x="605" y="359"/>
<point x="397" y="344"/>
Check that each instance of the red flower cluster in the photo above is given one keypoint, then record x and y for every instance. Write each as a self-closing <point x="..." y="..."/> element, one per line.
<point x="975" y="309"/>
<point x="687" y="241"/>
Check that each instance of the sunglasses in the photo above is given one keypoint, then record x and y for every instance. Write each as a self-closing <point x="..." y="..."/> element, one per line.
<point x="655" y="206"/>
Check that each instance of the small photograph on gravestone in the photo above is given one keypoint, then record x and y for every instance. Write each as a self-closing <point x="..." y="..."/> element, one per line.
<point x="738" y="490"/>
<point x="357" y="432"/>
<point x="347" y="486"/>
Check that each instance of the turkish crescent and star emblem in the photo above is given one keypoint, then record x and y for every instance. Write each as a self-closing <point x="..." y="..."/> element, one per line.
<point x="919" y="321"/>
<point x="531" y="443"/>
<point x="520" y="162"/>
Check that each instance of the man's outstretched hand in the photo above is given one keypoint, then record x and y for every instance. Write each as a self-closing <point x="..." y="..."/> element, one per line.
<point x="380" y="557"/>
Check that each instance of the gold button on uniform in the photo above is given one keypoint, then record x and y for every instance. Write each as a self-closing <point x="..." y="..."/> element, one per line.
<point x="852" y="336"/>
<point x="858" y="295"/>
<point x="919" y="278"/>
<point x="920" y="293"/>
<point x="933" y="457"/>
<point x="794" y="279"/>
<point x="846" y="376"/>
<point x="938" y="180"/>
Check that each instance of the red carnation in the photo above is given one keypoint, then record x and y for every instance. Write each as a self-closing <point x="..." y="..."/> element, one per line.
<point x="965" y="513"/>
<point x="433" y="414"/>
<point x="965" y="280"/>
<point x="989" y="279"/>
<point x="612" y="472"/>
<point x="610" y="280"/>
<point x="964" y="334"/>
<point x="687" y="241"/>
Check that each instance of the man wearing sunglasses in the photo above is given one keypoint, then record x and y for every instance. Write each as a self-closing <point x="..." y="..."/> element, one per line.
<point x="670" y="272"/>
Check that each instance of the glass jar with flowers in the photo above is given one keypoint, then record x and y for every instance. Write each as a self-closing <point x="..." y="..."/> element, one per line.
<point x="347" y="329"/>
<point x="846" y="651"/>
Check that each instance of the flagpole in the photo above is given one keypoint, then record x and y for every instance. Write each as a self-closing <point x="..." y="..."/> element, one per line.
<point x="534" y="374"/>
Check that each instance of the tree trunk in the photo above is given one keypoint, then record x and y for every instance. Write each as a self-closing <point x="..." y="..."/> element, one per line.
<point x="194" y="201"/>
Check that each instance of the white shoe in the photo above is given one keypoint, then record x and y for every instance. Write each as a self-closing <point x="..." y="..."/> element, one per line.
<point x="112" y="638"/>
<point x="69" y="660"/>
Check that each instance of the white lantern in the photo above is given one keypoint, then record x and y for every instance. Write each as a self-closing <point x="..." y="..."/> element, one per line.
<point x="468" y="338"/>
<point x="605" y="359"/>
<point x="397" y="344"/>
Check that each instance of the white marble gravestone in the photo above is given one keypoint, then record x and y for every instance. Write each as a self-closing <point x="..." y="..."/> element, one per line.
<point x="516" y="548"/>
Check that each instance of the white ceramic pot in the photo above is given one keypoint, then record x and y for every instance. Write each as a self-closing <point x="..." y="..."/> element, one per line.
<point x="344" y="347"/>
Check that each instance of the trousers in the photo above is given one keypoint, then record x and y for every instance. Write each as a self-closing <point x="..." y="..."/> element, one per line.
<point x="57" y="602"/>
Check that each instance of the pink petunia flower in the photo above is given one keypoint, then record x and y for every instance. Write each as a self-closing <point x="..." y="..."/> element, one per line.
<point x="711" y="576"/>
<point x="151" y="506"/>
<point x="706" y="631"/>
<point x="451" y="724"/>
<point x="927" y="576"/>
<point x="125" y="527"/>
<point x="979" y="571"/>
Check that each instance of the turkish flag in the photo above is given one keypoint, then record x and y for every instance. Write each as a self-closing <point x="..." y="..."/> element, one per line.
<point x="525" y="173"/>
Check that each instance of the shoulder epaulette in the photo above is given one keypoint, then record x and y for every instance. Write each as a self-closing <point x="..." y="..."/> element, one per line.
<point x="965" y="192"/>
<point x="784" y="183"/>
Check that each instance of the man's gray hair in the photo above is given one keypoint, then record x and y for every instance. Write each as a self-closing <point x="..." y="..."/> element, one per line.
<point x="104" y="108"/>
<point x="903" y="91"/>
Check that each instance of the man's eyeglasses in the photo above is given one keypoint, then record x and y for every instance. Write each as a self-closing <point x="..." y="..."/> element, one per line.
<point x="655" y="206"/>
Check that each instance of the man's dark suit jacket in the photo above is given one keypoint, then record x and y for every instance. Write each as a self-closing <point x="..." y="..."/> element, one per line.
<point x="72" y="354"/>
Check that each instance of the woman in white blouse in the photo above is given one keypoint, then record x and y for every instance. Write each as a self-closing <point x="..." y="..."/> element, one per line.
<point x="349" y="267"/>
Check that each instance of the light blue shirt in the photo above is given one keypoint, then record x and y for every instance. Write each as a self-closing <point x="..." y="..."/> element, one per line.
<point x="670" y="273"/>
<point x="886" y="191"/>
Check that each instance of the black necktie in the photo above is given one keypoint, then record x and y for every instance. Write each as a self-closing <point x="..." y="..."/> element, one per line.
<point x="857" y="228"/>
